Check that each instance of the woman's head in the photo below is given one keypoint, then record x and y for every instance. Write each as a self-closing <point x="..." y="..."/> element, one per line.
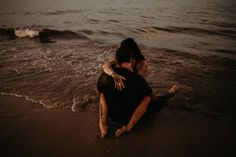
<point x="131" y="45"/>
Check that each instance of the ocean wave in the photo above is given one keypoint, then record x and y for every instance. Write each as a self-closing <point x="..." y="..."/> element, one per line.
<point x="60" y="12"/>
<point x="224" y="51"/>
<point x="225" y="24"/>
<point x="57" y="12"/>
<point x="45" y="35"/>
<point x="7" y="13"/>
<point x="21" y="33"/>
<point x="186" y="30"/>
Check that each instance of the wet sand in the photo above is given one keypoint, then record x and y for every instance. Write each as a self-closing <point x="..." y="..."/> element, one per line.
<point x="32" y="130"/>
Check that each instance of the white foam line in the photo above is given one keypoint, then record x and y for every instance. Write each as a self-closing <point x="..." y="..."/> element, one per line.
<point x="26" y="98"/>
<point x="44" y="105"/>
<point x="74" y="106"/>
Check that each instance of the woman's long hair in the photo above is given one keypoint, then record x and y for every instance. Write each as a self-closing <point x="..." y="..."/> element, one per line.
<point x="131" y="45"/>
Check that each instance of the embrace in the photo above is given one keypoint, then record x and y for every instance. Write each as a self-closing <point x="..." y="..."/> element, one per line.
<point x="125" y="96"/>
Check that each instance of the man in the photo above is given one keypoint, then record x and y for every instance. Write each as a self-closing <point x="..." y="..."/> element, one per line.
<point x="125" y="106"/>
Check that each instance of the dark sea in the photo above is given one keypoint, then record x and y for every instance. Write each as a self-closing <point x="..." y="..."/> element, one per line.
<point x="51" y="51"/>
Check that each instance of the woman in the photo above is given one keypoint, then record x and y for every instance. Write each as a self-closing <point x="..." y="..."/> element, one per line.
<point x="139" y="63"/>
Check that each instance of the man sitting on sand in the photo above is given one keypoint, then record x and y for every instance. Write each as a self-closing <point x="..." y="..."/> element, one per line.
<point x="125" y="106"/>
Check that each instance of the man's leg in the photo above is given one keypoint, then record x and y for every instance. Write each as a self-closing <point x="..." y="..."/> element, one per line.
<point x="103" y="126"/>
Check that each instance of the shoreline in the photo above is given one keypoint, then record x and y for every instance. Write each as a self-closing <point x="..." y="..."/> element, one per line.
<point x="28" y="129"/>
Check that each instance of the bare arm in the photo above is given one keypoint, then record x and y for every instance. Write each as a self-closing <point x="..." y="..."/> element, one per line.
<point x="107" y="68"/>
<point x="138" y="113"/>
<point x="142" y="67"/>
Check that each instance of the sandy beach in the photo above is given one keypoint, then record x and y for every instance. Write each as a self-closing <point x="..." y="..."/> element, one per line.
<point x="32" y="130"/>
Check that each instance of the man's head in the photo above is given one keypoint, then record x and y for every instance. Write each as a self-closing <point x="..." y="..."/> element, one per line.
<point x="123" y="57"/>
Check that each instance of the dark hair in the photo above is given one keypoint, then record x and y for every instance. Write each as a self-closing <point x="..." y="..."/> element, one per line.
<point x="123" y="55"/>
<point x="132" y="46"/>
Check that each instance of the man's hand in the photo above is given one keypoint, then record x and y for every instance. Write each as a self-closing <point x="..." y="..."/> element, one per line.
<point x="121" y="131"/>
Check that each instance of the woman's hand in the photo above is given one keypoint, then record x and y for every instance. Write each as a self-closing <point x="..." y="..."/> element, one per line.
<point x="118" y="79"/>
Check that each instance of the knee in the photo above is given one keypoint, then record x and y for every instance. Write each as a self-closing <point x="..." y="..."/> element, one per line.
<point x="147" y="100"/>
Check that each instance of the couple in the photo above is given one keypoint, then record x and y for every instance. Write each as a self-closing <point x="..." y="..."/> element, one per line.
<point x="125" y="96"/>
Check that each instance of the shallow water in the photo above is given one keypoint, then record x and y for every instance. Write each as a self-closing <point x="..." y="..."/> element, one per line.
<point x="189" y="43"/>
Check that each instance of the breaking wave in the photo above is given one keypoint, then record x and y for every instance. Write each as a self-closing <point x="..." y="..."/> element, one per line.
<point x="45" y="35"/>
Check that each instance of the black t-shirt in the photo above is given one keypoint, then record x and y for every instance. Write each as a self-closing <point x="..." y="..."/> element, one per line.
<point x="121" y="104"/>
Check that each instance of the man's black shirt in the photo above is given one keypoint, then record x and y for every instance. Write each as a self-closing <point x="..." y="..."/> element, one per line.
<point x="121" y="104"/>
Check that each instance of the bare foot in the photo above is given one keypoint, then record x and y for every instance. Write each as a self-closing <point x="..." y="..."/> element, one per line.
<point x="103" y="130"/>
<point x="173" y="89"/>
